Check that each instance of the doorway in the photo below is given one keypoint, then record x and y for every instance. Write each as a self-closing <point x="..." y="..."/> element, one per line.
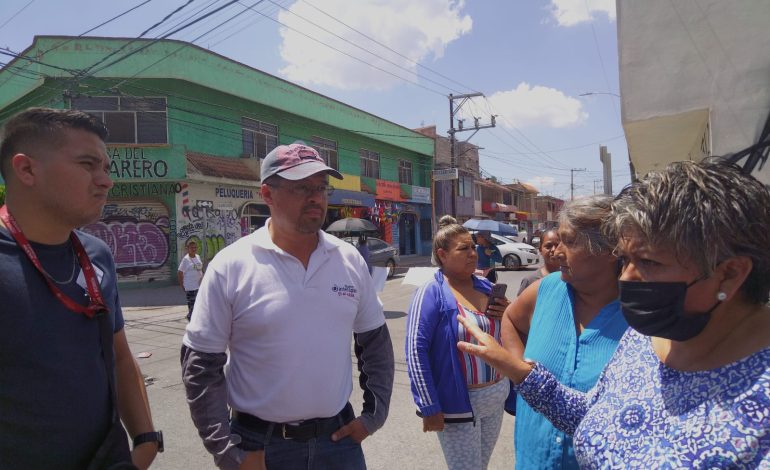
<point x="407" y="231"/>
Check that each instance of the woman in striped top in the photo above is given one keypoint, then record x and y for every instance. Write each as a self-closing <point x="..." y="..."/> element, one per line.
<point x="457" y="395"/>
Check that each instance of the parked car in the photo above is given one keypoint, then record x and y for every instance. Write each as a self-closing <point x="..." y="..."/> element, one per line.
<point x="515" y="255"/>
<point x="380" y="253"/>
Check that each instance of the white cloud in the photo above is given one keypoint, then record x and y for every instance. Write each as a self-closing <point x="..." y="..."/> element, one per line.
<point x="572" y="12"/>
<point x="542" y="183"/>
<point x="418" y="30"/>
<point x="537" y="106"/>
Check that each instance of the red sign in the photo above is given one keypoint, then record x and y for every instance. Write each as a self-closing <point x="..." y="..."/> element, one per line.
<point x="389" y="190"/>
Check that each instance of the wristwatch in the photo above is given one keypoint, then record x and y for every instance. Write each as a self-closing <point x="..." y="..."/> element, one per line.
<point x="156" y="436"/>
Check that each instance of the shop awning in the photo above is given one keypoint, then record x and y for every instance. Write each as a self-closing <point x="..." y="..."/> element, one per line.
<point x="497" y="207"/>
<point x="343" y="197"/>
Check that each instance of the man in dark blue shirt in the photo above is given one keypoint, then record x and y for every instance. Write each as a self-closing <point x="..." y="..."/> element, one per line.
<point x="66" y="371"/>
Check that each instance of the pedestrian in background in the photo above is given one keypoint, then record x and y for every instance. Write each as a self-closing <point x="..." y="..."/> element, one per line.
<point x="487" y="254"/>
<point x="280" y="308"/>
<point x="689" y="385"/>
<point x="459" y="398"/>
<point x="548" y="243"/>
<point x="67" y="375"/>
<point x="363" y="249"/>
<point x="189" y="275"/>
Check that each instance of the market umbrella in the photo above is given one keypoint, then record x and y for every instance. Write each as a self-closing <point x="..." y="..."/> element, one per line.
<point x="490" y="226"/>
<point x="351" y="224"/>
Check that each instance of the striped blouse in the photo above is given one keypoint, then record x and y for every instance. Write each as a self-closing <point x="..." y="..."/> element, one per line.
<point x="476" y="370"/>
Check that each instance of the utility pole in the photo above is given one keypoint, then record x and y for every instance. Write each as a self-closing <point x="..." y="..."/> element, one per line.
<point x="606" y="158"/>
<point x="452" y="131"/>
<point x="572" y="181"/>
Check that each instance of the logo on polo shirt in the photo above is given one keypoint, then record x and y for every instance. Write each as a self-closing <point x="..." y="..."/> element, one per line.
<point x="346" y="290"/>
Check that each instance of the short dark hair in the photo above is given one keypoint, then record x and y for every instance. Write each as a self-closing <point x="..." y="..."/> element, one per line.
<point x="543" y="236"/>
<point x="37" y="126"/>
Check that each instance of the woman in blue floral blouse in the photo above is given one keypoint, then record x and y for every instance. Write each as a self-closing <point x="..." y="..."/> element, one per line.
<point x="689" y="385"/>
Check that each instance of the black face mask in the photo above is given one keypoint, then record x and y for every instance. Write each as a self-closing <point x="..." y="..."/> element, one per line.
<point x="657" y="309"/>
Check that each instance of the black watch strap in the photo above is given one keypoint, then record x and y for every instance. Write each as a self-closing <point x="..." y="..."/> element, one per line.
<point x="156" y="436"/>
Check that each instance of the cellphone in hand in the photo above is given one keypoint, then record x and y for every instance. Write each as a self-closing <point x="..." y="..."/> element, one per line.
<point x="498" y="292"/>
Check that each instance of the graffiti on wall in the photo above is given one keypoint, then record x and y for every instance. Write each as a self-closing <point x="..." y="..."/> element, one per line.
<point x="210" y="227"/>
<point x="137" y="233"/>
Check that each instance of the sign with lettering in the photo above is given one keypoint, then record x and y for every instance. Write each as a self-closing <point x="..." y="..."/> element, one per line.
<point x="420" y="194"/>
<point x="136" y="163"/>
<point x="389" y="190"/>
<point x="140" y="190"/>
<point x="445" y="174"/>
<point x="235" y="193"/>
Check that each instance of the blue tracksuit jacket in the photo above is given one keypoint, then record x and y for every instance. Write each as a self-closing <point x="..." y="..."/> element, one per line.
<point x="432" y="357"/>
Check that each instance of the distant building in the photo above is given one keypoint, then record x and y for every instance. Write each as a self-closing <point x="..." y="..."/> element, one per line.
<point x="454" y="197"/>
<point x="188" y="129"/>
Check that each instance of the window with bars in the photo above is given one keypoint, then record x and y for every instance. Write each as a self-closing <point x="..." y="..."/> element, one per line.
<point x="370" y="163"/>
<point x="129" y="119"/>
<point x="259" y="138"/>
<point x="327" y="149"/>
<point x="405" y="172"/>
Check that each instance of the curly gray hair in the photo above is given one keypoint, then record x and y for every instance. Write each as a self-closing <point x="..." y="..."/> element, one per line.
<point x="705" y="212"/>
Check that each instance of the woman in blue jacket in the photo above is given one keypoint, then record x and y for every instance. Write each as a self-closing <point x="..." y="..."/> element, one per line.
<point x="457" y="395"/>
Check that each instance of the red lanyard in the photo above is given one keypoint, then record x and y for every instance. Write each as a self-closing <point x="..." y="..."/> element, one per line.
<point x="96" y="305"/>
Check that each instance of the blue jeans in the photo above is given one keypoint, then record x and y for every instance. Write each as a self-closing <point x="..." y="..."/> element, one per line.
<point x="314" y="454"/>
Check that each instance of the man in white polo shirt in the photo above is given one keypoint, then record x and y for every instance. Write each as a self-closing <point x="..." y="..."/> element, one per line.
<point x="284" y="303"/>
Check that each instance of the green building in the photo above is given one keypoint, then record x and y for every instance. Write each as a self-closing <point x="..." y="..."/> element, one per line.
<point x="188" y="128"/>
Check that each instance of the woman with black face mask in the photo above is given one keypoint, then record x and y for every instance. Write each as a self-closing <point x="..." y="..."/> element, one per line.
<point x="689" y="385"/>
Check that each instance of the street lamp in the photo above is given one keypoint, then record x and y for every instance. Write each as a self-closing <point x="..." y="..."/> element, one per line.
<point x="591" y="93"/>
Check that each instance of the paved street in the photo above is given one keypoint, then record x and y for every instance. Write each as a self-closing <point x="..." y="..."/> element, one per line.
<point x="400" y="444"/>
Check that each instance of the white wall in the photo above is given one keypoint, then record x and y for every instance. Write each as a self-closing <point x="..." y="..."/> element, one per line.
<point x="683" y="56"/>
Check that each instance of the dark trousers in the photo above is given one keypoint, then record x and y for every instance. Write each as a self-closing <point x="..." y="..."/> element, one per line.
<point x="191" y="295"/>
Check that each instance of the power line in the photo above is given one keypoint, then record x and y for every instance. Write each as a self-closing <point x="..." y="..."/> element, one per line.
<point x="530" y="143"/>
<point x="17" y="13"/>
<point x="182" y="47"/>
<point x="90" y="30"/>
<point x="389" y="48"/>
<point x="166" y="18"/>
<point x="165" y="36"/>
<point x="601" y="60"/>
<point x="352" y="56"/>
<point x="364" y="49"/>
<point x="124" y="46"/>
<point x="249" y="23"/>
<point x="111" y="91"/>
<point x="565" y="149"/>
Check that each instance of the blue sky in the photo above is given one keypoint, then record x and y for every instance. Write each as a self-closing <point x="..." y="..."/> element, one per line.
<point x="532" y="59"/>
